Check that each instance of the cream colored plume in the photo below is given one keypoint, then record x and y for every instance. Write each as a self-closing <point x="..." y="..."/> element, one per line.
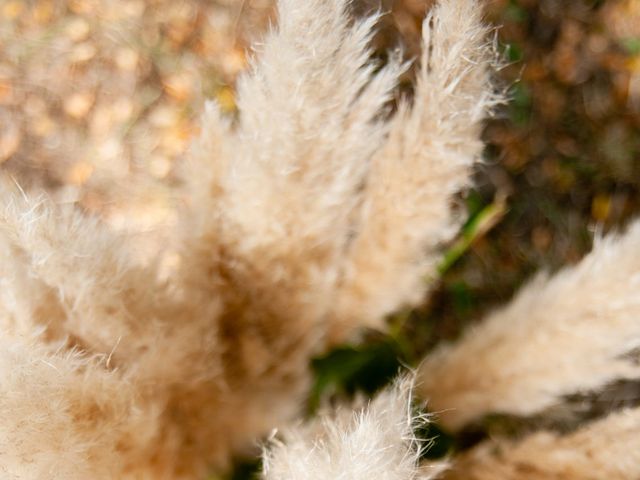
<point x="376" y="441"/>
<point x="279" y="208"/>
<point x="406" y="213"/>
<point x="281" y="199"/>
<point x="271" y="199"/>
<point x="569" y="333"/>
<point x="607" y="449"/>
<point x="64" y="416"/>
<point x="315" y="212"/>
<point x="89" y="286"/>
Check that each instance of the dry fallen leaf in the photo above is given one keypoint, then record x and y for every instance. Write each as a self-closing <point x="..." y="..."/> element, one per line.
<point x="10" y="138"/>
<point x="78" y="104"/>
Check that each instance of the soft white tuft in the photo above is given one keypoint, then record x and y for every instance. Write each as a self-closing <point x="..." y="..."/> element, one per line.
<point x="561" y="335"/>
<point x="608" y="448"/>
<point x="376" y="441"/>
<point x="427" y="158"/>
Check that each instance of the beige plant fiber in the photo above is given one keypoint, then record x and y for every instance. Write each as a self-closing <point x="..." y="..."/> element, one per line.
<point x="566" y="334"/>
<point x="375" y="441"/>
<point x="405" y="215"/>
<point x="315" y="212"/>
<point x="607" y="449"/>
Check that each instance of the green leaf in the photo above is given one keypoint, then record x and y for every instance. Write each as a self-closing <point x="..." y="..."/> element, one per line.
<point x="350" y="369"/>
<point x="477" y="226"/>
<point x="632" y="45"/>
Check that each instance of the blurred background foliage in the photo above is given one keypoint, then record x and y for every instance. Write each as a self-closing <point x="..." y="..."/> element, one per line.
<point x="100" y="98"/>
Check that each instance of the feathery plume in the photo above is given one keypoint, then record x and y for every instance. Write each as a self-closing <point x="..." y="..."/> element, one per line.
<point x="64" y="415"/>
<point x="289" y="204"/>
<point x="561" y="335"/>
<point x="270" y="229"/>
<point x="376" y="441"/>
<point x="82" y="270"/>
<point x="267" y="227"/>
<point x="427" y="158"/>
<point x="608" y="448"/>
<point x="288" y="176"/>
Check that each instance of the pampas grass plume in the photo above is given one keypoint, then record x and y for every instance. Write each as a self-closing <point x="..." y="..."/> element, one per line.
<point x="305" y="222"/>
<point x="566" y="334"/>
<point x="374" y="441"/>
<point x="608" y="448"/>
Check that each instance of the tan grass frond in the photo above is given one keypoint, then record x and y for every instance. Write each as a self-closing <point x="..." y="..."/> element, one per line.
<point x="565" y="334"/>
<point x="218" y="354"/>
<point x="608" y="448"/>
<point x="267" y="225"/>
<point x="86" y="269"/>
<point x="426" y="159"/>
<point x="309" y="123"/>
<point x="64" y="415"/>
<point x="375" y="441"/>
